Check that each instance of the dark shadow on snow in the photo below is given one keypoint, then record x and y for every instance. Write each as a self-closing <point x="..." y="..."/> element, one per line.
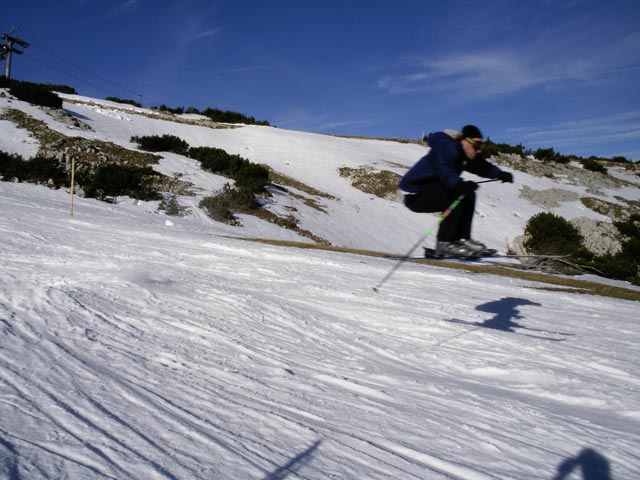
<point x="593" y="465"/>
<point x="505" y="313"/>
<point x="77" y="115"/>
<point x="8" y="461"/>
<point x="294" y="464"/>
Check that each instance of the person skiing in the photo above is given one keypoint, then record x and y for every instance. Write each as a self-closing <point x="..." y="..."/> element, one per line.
<point x="434" y="183"/>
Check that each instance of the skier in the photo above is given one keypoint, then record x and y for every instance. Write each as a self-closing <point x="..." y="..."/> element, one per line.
<point x="434" y="183"/>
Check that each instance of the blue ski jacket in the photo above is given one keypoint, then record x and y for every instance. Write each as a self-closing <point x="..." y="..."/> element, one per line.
<point x="445" y="161"/>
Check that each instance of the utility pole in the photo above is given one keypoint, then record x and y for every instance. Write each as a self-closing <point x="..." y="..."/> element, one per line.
<point x="8" y="48"/>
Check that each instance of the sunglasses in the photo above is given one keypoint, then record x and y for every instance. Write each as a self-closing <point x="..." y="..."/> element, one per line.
<point x="475" y="144"/>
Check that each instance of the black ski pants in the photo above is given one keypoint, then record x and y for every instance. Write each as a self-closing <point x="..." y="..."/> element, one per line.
<point x="437" y="198"/>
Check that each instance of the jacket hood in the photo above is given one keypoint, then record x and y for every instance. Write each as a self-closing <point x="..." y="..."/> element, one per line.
<point x="440" y="137"/>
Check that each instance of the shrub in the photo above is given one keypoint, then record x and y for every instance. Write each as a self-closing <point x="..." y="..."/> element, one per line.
<point x="61" y="88"/>
<point x="593" y="165"/>
<point x="627" y="260"/>
<point x="631" y="227"/>
<point x="493" y="149"/>
<point x="216" y="160"/>
<point x="620" y="159"/>
<point x="35" y="93"/>
<point x="164" y="143"/>
<point x="221" y="206"/>
<point x="252" y="178"/>
<point x="249" y="177"/>
<point x="124" y="101"/>
<point x="550" y="155"/>
<point x="548" y="233"/>
<point x="36" y="170"/>
<point x="169" y="204"/>
<point x="113" y="180"/>
<point x="176" y="110"/>
<point x="227" y="116"/>
<point x="551" y="234"/>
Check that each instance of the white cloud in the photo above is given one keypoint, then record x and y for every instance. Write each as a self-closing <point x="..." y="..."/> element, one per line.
<point x="298" y="118"/>
<point x="553" y="60"/>
<point x="124" y="8"/>
<point x="588" y="132"/>
<point x="476" y="75"/>
<point x="205" y="34"/>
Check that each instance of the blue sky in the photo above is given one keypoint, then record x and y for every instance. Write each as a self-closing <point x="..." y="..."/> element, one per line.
<point x="545" y="73"/>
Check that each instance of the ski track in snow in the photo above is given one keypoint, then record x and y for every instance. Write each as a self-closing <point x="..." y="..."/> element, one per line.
<point x="138" y="348"/>
<point x="133" y="350"/>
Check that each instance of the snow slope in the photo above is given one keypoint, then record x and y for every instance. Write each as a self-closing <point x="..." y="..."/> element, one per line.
<point x="351" y="218"/>
<point x="132" y="348"/>
<point x="134" y="345"/>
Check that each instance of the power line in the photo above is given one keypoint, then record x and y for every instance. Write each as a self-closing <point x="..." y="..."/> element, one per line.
<point x="104" y="79"/>
<point x="86" y="71"/>
<point x="67" y="73"/>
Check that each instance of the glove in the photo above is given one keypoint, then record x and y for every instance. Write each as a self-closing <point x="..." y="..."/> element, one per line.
<point x="465" y="187"/>
<point x="505" y="177"/>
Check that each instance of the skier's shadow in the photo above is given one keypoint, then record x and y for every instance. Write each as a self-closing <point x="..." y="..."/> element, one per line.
<point x="505" y="313"/>
<point x="295" y="464"/>
<point x="592" y="464"/>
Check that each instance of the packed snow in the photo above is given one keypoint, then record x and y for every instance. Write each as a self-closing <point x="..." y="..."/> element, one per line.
<point x="137" y="345"/>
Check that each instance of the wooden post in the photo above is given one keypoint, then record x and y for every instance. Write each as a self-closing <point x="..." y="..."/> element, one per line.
<point x="73" y="170"/>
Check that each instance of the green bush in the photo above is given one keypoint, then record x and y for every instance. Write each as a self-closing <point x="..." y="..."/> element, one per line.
<point x="221" y="206"/>
<point x="616" y="267"/>
<point x="548" y="233"/>
<point x="113" y="180"/>
<point x="551" y="234"/>
<point x="249" y="177"/>
<point x="124" y="101"/>
<point x="627" y="260"/>
<point x="550" y="155"/>
<point x="164" y="143"/>
<point x="620" y="159"/>
<point x="176" y="110"/>
<point x="35" y="93"/>
<point x="60" y="88"/>
<point x="215" y="114"/>
<point x="593" y="165"/>
<point x="252" y="178"/>
<point x="216" y="160"/>
<point x="630" y="228"/>
<point x="493" y="149"/>
<point x="36" y="170"/>
<point x="170" y="206"/>
<point x="227" y="116"/>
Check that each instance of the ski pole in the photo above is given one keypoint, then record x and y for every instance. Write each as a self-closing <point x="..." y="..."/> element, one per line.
<point x="444" y="215"/>
<point x="401" y="260"/>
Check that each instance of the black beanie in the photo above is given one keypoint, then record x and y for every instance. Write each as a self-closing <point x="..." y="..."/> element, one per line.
<point x="470" y="131"/>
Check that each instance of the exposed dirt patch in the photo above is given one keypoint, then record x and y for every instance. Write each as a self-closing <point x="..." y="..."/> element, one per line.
<point x="381" y="183"/>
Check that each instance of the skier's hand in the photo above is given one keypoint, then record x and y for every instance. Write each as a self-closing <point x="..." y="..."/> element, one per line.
<point x="465" y="187"/>
<point x="505" y="177"/>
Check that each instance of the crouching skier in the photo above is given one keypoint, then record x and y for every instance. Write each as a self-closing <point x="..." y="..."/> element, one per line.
<point x="434" y="183"/>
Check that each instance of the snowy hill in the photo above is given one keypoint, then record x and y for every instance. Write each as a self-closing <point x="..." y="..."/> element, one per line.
<point x="334" y="210"/>
<point x="136" y="345"/>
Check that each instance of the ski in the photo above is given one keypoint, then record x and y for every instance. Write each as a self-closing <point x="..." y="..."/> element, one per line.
<point x="475" y="261"/>
<point x="488" y="253"/>
<point x="431" y="253"/>
<point x="515" y="329"/>
<point x="480" y="259"/>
